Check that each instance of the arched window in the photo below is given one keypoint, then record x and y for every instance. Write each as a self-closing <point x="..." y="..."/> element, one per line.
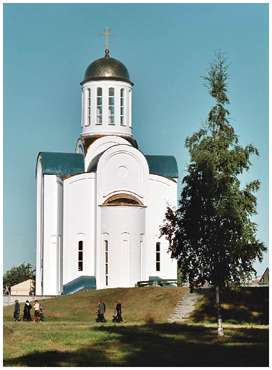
<point x="111" y="105"/>
<point x="122" y="106"/>
<point x="80" y="255"/>
<point x="99" y="106"/>
<point x="123" y="200"/>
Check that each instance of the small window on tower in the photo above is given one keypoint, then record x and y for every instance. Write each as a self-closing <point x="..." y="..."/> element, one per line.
<point x="80" y="255"/>
<point x="158" y="256"/>
<point x="99" y="106"/>
<point x="89" y="106"/>
<point x="122" y="107"/>
<point x="111" y="105"/>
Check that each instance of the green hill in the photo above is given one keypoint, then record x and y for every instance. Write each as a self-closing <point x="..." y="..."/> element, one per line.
<point x="241" y="305"/>
<point x="69" y="336"/>
<point x="150" y="304"/>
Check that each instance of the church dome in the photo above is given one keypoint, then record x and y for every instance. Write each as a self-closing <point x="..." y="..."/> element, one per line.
<point x="106" y="68"/>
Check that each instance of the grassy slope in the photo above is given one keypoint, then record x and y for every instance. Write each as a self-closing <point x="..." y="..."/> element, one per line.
<point x="149" y="304"/>
<point x="242" y="305"/>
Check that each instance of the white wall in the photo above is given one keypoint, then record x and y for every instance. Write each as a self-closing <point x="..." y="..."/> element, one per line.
<point x="122" y="169"/>
<point x="161" y="193"/>
<point x="100" y="145"/>
<point x="52" y="237"/>
<point x="39" y="226"/>
<point x="79" y="224"/>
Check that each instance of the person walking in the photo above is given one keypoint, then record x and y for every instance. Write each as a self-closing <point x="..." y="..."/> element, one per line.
<point x="101" y="309"/>
<point x="16" y="314"/>
<point x="27" y="309"/>
<point x="117" y="317"/>
<point x="36" y="311"/>
<point x="41" y="313"/>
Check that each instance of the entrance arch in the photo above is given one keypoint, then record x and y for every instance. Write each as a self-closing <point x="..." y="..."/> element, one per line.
<point x="125" y="227"/>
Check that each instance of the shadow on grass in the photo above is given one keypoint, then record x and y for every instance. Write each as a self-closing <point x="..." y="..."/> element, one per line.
<point x="160" y="345"/>
<point x="246" y="304"/>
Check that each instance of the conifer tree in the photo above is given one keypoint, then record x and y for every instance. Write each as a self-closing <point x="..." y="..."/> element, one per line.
<point x="211" y="234"/>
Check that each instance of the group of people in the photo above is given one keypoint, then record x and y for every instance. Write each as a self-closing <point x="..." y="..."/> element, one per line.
<point x="101" y="310"/>
<point x="38" y="311"/>
<point x="39" y="316"/>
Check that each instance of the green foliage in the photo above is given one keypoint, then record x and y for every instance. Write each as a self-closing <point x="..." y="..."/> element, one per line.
<point x="18" y="274"/>
<point x="211" y="233"/>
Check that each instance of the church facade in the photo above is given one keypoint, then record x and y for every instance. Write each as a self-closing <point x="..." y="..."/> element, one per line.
<point x="100" y="208"/>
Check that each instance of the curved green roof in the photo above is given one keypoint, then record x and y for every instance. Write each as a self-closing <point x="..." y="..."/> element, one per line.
<point x="61" y="164"/>
<point x="162" y="165"/>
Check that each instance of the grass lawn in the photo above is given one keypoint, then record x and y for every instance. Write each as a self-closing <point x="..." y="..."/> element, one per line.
<point x="86" y="344"/>
<point x="70" y="336"/>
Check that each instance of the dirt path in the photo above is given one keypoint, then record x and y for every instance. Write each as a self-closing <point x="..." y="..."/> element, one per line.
<point x="184" y="307"/>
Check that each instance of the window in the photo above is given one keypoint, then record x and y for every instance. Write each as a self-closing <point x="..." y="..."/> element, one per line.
<point x="111" y="105"/>
<point x="158" y="256"/>
<point x="80" y="255"/>
<point x="82" y="108"/>
<point x="122" y="200"/>
<point x="99" y="106"/>
<point x="106" y="262"/>
<point x="122" y="107"/>
<point x="89" y="106"/>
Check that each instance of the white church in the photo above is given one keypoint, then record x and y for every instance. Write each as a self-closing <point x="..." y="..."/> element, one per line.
<point x="99" y="209"/>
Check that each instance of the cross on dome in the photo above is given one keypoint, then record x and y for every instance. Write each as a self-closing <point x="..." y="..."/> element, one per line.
<point x="106" y="33"/>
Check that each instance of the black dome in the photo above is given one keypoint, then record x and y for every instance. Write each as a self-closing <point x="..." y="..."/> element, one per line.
<point x="106" y="68"/>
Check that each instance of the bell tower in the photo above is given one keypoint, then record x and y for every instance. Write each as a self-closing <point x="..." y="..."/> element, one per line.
<point x="106" y="97"/>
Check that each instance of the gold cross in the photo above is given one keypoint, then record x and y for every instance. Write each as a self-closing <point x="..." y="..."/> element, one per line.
<point x="107" y="32"/>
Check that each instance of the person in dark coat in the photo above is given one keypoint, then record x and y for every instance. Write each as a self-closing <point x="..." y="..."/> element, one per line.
<point x="27" y="309"/>
<point x="101" y="309"/>
<point x="16" y="314"/>
<point x="117" y="317"/>
<point x="41" y="313"/>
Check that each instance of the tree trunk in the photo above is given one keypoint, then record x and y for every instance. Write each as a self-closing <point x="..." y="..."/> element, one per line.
<point x="220" y="330"/>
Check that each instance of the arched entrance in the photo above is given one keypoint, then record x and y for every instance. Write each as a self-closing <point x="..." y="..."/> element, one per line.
<point x="123" y="227"/>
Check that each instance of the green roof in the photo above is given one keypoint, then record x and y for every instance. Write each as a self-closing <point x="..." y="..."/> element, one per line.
<point x="61" y="164"/>
<point x="162" y="165"/>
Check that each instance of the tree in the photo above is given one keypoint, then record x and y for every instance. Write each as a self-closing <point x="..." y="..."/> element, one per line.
<point x="211" y="233"/>
<point x="18" y="274"/>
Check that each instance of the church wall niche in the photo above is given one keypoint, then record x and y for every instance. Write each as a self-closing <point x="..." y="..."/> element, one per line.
<point x="125" y="227"/>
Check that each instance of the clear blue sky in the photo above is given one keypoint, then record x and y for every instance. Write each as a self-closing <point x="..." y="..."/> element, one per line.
<point x="166" y="48"/>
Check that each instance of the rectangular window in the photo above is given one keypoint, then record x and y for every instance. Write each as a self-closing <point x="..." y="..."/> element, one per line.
<point x="89" y="106"/>
<point x="122" y="107"/>
<point x="158" y="256"/>
<point x="111" y="105"/>
<point x="99" y="106"/>
<point x="80" y="255"/>
<point x="106" y="244"/>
